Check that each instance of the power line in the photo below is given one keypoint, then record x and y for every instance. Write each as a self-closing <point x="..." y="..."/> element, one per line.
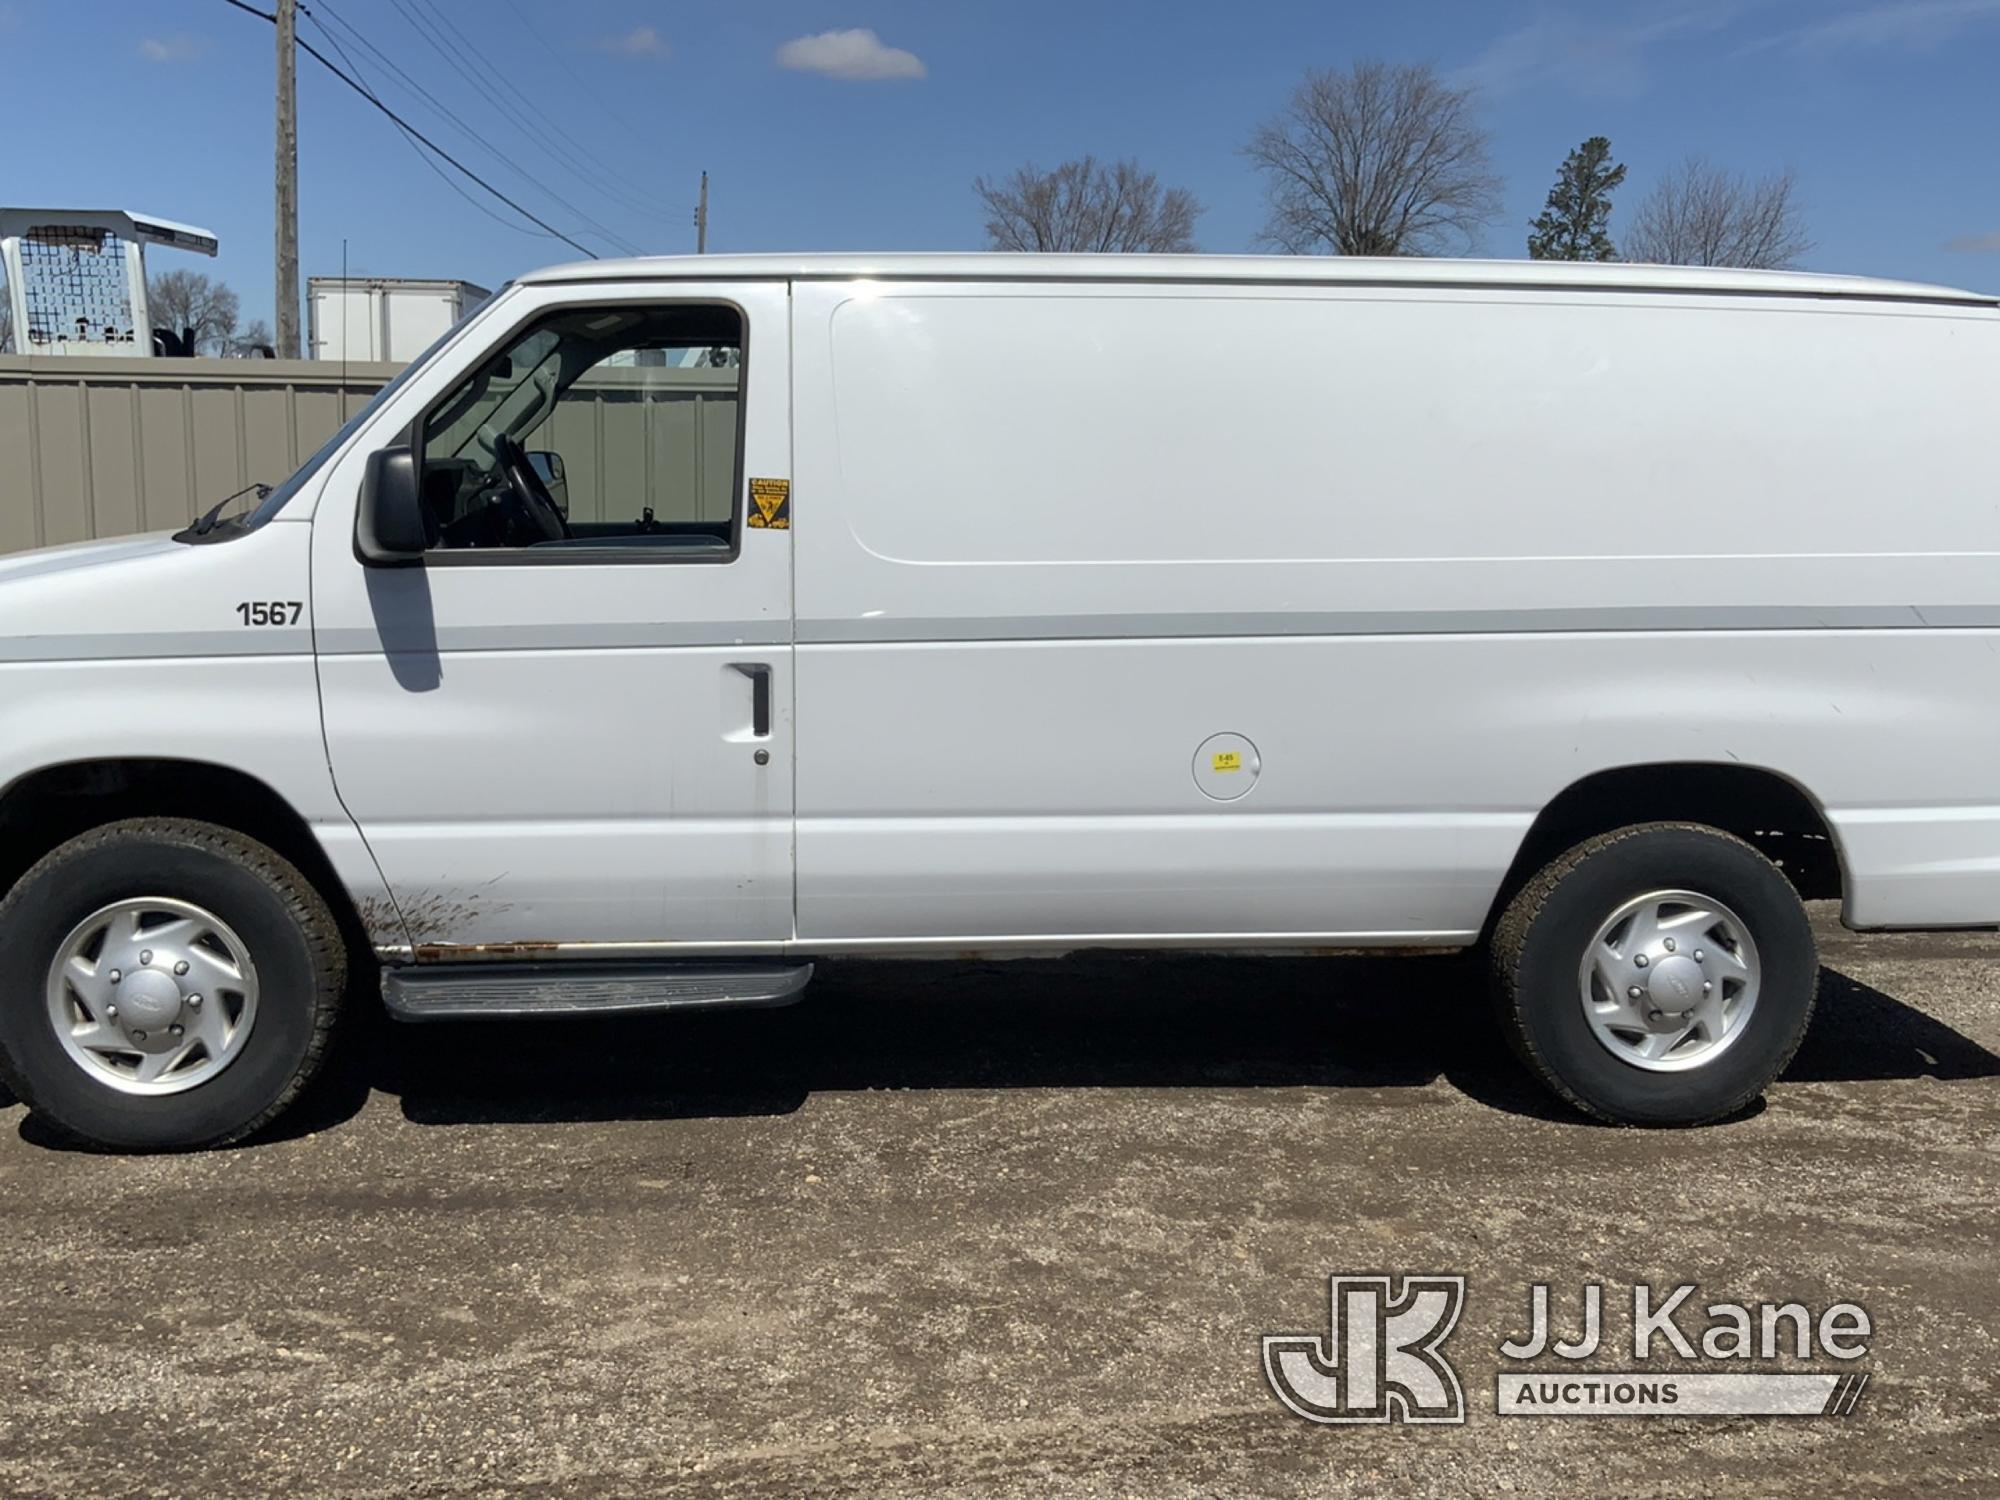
<point x="435" y="37"/>
<point x="423" y="95"/>
<point x="421" y="154"/>
<point x="322" y="11"/>
<point x="528" y="25"/>
<point x="410" y="140"/>
<point x="602" y="231"/>
<point x="581" y="159"/>
<point x="444" y="155"/>
<point x="481" y="84"/>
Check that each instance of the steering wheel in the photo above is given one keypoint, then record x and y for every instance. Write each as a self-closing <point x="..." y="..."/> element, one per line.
<point x="536" y="501"/>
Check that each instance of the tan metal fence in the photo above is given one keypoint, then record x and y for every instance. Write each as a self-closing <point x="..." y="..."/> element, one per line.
<point x="104" y="447"/>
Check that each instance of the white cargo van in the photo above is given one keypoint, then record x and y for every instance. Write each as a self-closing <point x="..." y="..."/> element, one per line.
<point x="673" y="624"/>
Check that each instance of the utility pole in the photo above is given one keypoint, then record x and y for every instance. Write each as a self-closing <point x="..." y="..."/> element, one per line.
<point x="701" y="219"/>
<point x="287" y="183"/>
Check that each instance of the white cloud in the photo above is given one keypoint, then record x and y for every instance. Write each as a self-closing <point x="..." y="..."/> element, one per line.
<point x="178" y="48"/>
<point x="640" y="41"/>
<point x="858" y="56"/>
<point x="1975" y="242"/>
<point x="1583" y="54"/>
<point x="1914" y="25"/>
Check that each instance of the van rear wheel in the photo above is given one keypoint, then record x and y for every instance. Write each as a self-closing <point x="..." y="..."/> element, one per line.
<point x="165" y="984"/>
<point x="1661" y="974"/>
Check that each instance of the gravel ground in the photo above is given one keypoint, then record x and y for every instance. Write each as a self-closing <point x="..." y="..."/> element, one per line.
<point x="996" y="1230"/>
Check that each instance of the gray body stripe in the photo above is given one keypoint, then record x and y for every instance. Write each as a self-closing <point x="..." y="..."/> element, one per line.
<point x="142" y="645"/>
<point x="641" y="636"/>
<point x="611" y="636"/>
<point x="1407" y="622"/>
<point x="764" y="633"/>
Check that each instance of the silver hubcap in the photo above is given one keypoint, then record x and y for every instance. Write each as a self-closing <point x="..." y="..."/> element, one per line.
<point x="1670" y="980"/>
<point x="152" y="996"/>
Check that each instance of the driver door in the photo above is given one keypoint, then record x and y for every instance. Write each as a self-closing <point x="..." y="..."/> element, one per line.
<point x="572" y="723"/>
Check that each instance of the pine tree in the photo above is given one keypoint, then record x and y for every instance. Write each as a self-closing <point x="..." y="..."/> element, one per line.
<point x="1571" y="227"/>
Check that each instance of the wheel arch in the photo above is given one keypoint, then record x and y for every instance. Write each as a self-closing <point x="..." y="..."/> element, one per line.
<point x="1768" y="810"/>
<point x="52" y="804"/>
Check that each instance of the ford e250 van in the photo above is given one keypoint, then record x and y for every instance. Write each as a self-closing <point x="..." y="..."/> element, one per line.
<point x="674" y="624"/>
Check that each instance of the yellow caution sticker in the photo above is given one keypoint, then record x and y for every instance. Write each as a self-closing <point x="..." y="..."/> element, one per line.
<point x="771" y="504"/>
<point x="1226" y="760"/>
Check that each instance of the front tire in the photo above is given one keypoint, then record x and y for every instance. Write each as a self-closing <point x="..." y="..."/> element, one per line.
<point x="1661" y="974"/>
<point x="165" y="984"/>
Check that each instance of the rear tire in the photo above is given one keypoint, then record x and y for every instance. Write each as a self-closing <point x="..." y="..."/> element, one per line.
<point x="224" y="1023"/>
<point x="1662" y="974"/>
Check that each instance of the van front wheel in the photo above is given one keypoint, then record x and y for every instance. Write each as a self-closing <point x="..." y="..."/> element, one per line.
<point x="165" y="984"/>
<point x="1661" y="974"/>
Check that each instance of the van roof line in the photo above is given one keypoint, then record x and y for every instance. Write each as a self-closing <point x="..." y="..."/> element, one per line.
<point x="1610" y="276"/>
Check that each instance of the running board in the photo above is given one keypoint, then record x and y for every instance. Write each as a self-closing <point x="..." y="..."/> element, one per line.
<point x="463" y="993"/>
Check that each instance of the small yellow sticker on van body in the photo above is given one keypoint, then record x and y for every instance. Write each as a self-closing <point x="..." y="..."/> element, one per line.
<point x="1226" y="760"/>
<point x="771" y="504"/>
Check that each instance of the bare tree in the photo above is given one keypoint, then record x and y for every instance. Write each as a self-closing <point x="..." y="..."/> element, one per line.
<point x="1377" y="160"/>
<point x="1701" y="215"/>
<point x="1082" y="206"/>
<point x="6" y="321"/>
<point x="188" y="303"/>
<point x="254" y="342"/>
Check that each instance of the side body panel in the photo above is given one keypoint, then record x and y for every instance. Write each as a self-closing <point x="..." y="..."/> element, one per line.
<point x="1432" y="554"/>
<point x="562" y="753"/>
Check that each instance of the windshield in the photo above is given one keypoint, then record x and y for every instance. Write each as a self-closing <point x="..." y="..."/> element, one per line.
<point x="275" y="500"/>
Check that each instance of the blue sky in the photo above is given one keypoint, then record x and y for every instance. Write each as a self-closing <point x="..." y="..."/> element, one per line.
<point x="870" y="141"/>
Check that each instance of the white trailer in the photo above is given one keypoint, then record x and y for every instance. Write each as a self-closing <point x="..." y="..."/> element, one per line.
<point x="383" y="317"/>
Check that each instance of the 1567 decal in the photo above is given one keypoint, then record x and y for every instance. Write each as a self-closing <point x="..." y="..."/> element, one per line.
<point x="270" y="611"/>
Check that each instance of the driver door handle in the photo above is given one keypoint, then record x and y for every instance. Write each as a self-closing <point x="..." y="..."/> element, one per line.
<point x="759" y="674"/>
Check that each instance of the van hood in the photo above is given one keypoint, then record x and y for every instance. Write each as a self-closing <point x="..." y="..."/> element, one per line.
<point x="84" y="555"/>
<point x="150" y="596"/>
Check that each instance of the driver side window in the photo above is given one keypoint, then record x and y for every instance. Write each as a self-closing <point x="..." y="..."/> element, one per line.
<point x="594" y="428"/>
